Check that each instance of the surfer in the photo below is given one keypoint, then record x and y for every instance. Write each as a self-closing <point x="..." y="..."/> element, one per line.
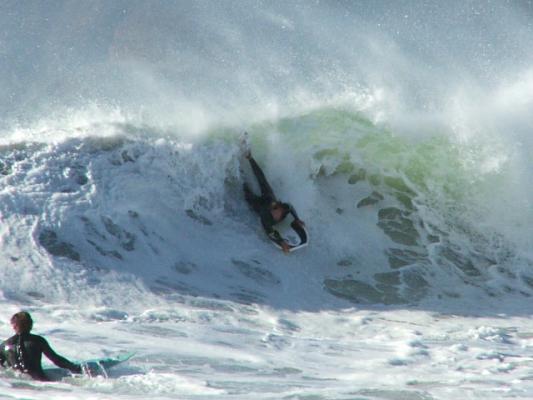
<point x="23" y="351"/>
<point x="270" y="209"/>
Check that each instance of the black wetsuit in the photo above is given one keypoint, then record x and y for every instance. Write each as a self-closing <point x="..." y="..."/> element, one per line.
<point x="24" y="352"/>
<point x="262" y="204"/>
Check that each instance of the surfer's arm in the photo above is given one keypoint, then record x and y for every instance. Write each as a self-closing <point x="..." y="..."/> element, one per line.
<point x="266" y="190"/>
<point x="275" y="237"/>
<point x="274" y="234"/>
<point x="3" y="358"/>
<point x="292" y="211"/>
<point x="278" y="239"/>
<point x="271" y="232"/>
<point x="268" y="225"/>
<point x="58" y="360"/>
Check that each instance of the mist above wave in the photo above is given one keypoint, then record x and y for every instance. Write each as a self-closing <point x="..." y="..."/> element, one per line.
<point x="206" y="62"/>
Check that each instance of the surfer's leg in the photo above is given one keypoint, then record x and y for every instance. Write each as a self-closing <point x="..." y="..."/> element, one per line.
<point x="254" y="201"/>
<point x="266" y="190"/>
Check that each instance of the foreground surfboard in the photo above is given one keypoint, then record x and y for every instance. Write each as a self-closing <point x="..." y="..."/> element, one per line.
<point x="94" y="367"/>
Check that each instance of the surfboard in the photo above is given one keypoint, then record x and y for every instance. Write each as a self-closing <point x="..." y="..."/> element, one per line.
<point x="294" y="234"/>
<point x="90" y="368"/>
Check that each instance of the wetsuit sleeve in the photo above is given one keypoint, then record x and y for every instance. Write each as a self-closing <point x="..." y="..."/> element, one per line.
<point x="276" y="237"/>
<point x="58" y="360"/>
<point x="3" y="358"/>
<point x="268" y="226"/>
<point x="266" y="190"/>
<point x="292" y="211"/>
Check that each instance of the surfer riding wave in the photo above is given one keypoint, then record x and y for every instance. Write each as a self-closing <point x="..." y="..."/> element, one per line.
<point x="270" y="209"/>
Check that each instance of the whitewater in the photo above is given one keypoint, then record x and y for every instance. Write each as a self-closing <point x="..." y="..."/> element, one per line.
<point x="400" y="132"/>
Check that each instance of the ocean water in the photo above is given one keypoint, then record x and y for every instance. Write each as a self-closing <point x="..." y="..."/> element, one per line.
<point x="400" y="131"/>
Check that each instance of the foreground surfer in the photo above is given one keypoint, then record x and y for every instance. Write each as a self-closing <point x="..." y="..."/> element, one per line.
<point x="24" y="351"/>
<point x="271" y="210"/>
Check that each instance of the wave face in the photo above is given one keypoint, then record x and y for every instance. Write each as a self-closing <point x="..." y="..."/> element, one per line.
<point x="114" y="212"/>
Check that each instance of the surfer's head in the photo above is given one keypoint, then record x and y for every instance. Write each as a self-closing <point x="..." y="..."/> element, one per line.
<point x="279" y="210"/>
<point x="22" y="322"/>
